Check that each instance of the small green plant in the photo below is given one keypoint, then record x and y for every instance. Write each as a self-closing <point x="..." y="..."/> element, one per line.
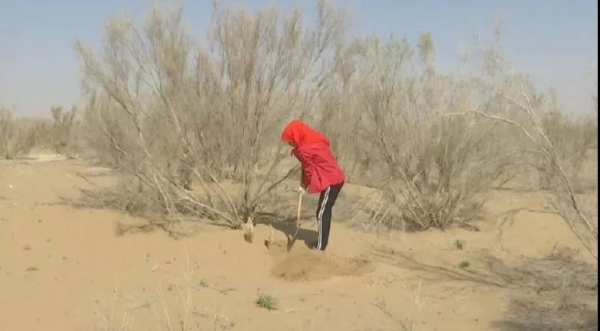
<point x="32" y="268"/>
<point x="459" y="244"/>
<point x="266" y="301"/>
<point x="464" y="265"/>
<point x="203" y="283"/>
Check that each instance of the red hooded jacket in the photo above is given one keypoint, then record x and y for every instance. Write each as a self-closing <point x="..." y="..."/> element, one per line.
<point x="319" y="167"/>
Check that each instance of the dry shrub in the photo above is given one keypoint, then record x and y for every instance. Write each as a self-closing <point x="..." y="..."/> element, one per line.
<point x="63" y="130"/>
<point x="431" y="170"/>
<point x="21" y="134"/>
<point x="165" y="110"/>
<point x="173" y="115"/>
<point x="17" y="135"/>
<point x="572" y="139"/>
<point x="548" y="143"/>
<point x="447" y="141"/>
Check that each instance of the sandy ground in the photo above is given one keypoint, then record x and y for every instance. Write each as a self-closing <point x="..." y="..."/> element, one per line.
<point x="65" y="269"/>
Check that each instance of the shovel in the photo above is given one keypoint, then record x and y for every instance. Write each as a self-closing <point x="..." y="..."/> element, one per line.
<point x="292" y="238"/>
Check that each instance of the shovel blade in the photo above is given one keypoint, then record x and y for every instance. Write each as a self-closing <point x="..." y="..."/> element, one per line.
<point x="292" y="240"/>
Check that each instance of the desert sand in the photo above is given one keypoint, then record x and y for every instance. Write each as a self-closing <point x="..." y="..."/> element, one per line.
<point x="66" y="268"/>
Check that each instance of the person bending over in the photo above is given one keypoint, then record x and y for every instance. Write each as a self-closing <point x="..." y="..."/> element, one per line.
<point x="321" y="173"/>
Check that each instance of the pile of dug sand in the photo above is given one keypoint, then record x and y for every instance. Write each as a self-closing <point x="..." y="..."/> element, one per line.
<point x="304" y="264"/>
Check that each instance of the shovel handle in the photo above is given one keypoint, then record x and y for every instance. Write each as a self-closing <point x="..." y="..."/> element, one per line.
<point x="299" y="210"/>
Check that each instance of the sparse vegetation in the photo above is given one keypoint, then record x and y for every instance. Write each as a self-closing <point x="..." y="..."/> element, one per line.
<point x="17" y="135"/>
<point x="464" y="264"/>
<point x="191" y="131"/>
<point x="433" y="146"/>
<point x="414" y="323"/>
<point x="459" y="244"/>
<point x="199" y="114"/>
<point x="557" y="292"/>
<point x="266" y="301"/>
<point x="63" y="131"/>
<point x="172" y="116"/>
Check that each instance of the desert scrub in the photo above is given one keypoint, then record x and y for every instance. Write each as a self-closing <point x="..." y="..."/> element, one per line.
<point x="266" y="301"/>
<point x="17" y="135"/>
<point x="459" y="244"/>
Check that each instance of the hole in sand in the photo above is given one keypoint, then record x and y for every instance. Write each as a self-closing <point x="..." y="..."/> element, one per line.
<point x="304" y="264"/>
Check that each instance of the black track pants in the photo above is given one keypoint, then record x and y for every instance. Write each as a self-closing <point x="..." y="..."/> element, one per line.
<point x="324" y="211"/>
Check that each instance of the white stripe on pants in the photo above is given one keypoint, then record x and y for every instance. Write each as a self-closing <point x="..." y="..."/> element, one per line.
<point x="320" y="216"/>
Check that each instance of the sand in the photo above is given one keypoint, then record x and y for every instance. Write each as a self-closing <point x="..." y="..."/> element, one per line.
<point x="63" y="268"/>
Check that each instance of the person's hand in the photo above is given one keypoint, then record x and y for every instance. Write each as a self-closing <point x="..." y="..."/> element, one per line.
<point x="301" y="190"/>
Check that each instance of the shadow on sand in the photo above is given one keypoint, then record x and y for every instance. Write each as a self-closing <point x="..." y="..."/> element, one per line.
<point x="288" y="227"/>
<point x="555" y="293"/>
